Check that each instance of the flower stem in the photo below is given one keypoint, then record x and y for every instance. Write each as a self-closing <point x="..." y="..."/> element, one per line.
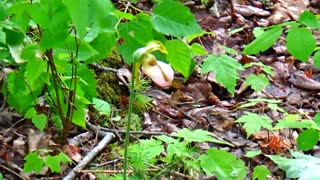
<point x="126" y="142"/>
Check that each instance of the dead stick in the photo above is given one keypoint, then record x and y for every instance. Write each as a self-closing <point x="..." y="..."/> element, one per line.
<point x="90" y="156"/>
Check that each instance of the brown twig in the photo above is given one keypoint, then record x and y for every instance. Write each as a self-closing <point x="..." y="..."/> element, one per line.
<point x="10" y="167"/>
<point x="90" y="156"/>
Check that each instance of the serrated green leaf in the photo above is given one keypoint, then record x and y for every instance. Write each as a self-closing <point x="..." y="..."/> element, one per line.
<point x="225" y="69"/>
<point x="307" y="139"/>
<point x="257" y="83"/>
<point x="179" y="149"/>
<point x="276" y="107"/>
<point x="309" y="19"/>
<point x="143" y="155"/>
<point x="172" y="18"/>
<point x="167" y="139"/>
<point x="180" y="57"/>
<point x="40" y="121"/>
<point x="260" y="172"/>
<point x="53" y="163"/>
<point x="304" y="167"/>
<point x="228" y="50"/>
<point x="198" y="135"/>
<point x="222" y="164"/>
<point x="263" y="41"/>
<point x="267" y="69"/>
<point x="301" y="43"/>
<point x="33" y="162"/>
<point x="101" y="106"/>
<point x="64" y="158"/>
<point x="254" y="122"/>
<point x="251" y="154"/>
<point x="316" y="59"/>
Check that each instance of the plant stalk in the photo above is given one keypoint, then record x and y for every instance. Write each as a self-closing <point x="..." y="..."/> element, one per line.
<point x="126" y="142"/>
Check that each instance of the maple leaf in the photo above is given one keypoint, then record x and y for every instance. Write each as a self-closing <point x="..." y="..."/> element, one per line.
<point x="225" y="70"/>
<point x="253" y="123"/>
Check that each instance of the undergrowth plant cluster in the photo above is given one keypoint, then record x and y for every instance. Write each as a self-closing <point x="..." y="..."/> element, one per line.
<point x="47" y="45"/>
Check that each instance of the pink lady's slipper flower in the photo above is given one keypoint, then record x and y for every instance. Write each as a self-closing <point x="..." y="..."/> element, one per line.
<point x="159" y="72"/>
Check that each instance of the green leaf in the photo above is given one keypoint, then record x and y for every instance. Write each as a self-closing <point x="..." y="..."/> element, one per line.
<point x="225" y="69"/>
<point x="101" y="106"/>
<point x="317" y="118"/>
<point x="39" y="14"/>
<point x="316" y="59"/>
<point x="266" y="68"/>
<point x="251" y="154"/>
<point x="40" y="121"/>
<point x="35" y="73"/>
<point x="78" y="11"/>
<point x="198" y="135"/>
<point x="79" y="114"/>
<point x="301" y="43"/>
<point x="222" y="164"/>
<point x="57" y="32"/>
<point x="3" y="11"/>
<point x="136" y="34"/>
<point x="53" y="163"/>
<point x="179" y="149"/>
<point x="143" y="155"/>
<point x="288" y="123"/>
<point x="64" y="158"/>
<point x="180" y="57"/>
<point x="124" y="15"/>
<point x="309" y="19"/>
<point x="172" y="18"/>
<point x="304" y="167"/>
<point x="89" y="83"/>
<point x="260" y="172"/>
<point x="14" y="36"/>
<point x="103" y="43"/>
<point x="276" y="107"/>
<point x="263" y="41"/>
<point x="257" y="83"/>
<point x="307" y="139"/>
<point x="19" y="96"/>
<point x="167" y="139"/>
<point x="33" y="162"/>
<point x="198" y="49"/>
<point x="30" y="113"/>
<point x="254" y="122"/>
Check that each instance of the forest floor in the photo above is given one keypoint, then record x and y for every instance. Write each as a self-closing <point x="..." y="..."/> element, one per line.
<point x="198" y="103"/>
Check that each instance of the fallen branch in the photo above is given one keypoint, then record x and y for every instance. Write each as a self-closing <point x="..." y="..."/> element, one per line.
<point x="90" y="156"/>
